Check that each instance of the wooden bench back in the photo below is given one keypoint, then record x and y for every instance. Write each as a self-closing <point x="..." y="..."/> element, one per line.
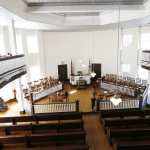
<point x="43" y="117"/>
<point x="55" y="138"/>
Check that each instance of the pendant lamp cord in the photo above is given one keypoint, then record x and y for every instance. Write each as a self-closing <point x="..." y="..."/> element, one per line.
<point x="118" y="46"/>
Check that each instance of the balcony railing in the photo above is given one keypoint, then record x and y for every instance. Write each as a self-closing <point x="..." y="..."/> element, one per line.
<point x="55" y="107"/>
<point x="11" y="68"/>
<point x="125" y="104"/>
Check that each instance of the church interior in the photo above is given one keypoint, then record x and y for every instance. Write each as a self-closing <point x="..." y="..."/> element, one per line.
<point x="74" y="75"/>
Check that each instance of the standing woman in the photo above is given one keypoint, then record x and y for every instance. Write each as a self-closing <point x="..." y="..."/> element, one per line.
<point x="93" y="99"/>
<point x="66" y="96"/>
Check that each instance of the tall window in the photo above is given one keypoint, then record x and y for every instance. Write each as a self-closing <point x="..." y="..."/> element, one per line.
<point x="125" y="68"/>
<point x="35" y="73"/>
<point x="145" y="41"/>
<point x="32" y="44"/>
<point x="127" y="40"/>
<point x="33" y="56"/>
<point x="19" y="43"/>
<point x="143" y="73"/>
<point x="2" y="45"/>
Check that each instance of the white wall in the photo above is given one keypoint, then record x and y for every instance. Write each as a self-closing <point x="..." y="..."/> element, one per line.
<point x="130" y="49"/>
<point x="98" y="46"/>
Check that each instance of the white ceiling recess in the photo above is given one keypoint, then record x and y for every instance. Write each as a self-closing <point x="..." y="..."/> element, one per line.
<point x="80" y="14"/>
<point x="83" y="13"/>
<point x="100" y="2"/>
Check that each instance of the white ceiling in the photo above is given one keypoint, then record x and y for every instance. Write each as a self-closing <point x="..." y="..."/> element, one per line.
<point x="79" y="14"/>
<point x="102" y="2"/>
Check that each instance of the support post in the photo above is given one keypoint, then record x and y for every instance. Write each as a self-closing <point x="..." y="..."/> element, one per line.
<point x="32" y="104"/>
<point x="13" y="43"/>
<point x="77" y="106"/>
<point x="97" y="105"/>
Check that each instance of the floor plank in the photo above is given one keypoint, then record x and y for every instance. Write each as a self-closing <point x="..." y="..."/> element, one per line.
<point x="96" y="137"/>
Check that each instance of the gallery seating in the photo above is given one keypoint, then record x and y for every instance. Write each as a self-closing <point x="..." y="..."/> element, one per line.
<point x="42" y="117"/>
<point x="132" y="145"/>
<point x="44" y="127"/>
<point x="124" y="113"/>
<point x="132" y="122"/>
<point x="127" y="86"/>
<point x="127" y="129"/>
<point x="50" y="138"/>
<point x="42" y="88"/>
<point x="128" y="134"/>
<point x="57" y="130"/>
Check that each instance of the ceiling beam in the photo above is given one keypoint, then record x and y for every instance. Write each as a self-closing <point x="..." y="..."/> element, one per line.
<point x="100" y="2"/>
<point x="81" y="8"/>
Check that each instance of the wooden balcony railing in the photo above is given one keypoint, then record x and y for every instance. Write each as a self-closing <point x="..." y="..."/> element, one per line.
<point x="11" y="68"/>
<point x="125" y="104"/>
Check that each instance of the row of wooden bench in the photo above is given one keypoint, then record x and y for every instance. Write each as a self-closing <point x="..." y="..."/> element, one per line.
<point x="57" y="131"/>
<point x="33" y="140"/>
<point x="36" y="128"/>
<point x="42" y="117"/>
<point x="127" y="130"/>
<point x="124" y="113"/>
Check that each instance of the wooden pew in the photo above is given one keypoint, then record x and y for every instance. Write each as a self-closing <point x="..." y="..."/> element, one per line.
<point x="72" y="147"/>
<point x="122" y="113"/>
<point x="132" y="145"/>
<point x="34" y="128"/>
<point x="68" y="147"/>
<point x="134" y="122"/>
<point x="47" y="138"/>
<point x="42" y="117"/>
<point x="127" y="129"/>
<point x="129" y="134"/>
<point x="55" y="129"/>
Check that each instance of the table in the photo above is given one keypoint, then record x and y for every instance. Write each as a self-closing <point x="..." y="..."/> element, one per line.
<point x="74" y="79"/>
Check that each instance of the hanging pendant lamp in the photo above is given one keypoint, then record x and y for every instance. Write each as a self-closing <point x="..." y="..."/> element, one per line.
<point x="116" y="99"/>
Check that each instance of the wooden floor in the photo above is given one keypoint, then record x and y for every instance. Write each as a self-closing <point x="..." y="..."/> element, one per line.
<point x="83" y="95"/>
<point x="96" y="137"/>
<point x="13" y="110"/>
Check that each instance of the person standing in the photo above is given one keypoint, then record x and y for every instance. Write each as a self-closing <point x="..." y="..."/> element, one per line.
<point x="66" y="96"/>
<point x="93" y="99"/>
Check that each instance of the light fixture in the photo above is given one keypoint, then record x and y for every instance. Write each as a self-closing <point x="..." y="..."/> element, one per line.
<point x="83" y="66"/>
<point x="93" y="74"/>
<point x="116" y="100"/>
<point x="72" y="92"/>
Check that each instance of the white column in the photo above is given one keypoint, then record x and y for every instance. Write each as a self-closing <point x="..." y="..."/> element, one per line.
<point x="12" y="37"/>
<point x="19" y="91"/>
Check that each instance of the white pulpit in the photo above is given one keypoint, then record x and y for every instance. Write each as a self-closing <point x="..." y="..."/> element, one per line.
<point x="74" y="79"/>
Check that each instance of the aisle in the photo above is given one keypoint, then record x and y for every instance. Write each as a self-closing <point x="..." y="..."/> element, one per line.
<point x="96" y="137"/>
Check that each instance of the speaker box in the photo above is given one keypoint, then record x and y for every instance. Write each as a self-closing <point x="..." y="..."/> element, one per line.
<point x="62" y="72"/>
<point x="97" y="69"/>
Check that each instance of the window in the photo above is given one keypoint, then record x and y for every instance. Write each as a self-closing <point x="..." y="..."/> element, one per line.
<point x="32" y="43"/>
<point x="127" y="40"/>
<point x="125" y="68"/>
<point x="2" y="46"/>
<point x="24" y="80"/>
<point x="35" y="73"/>
<point x="143" y="73"/>
<point x="145" y="41"/>
<point x="19" y="44"/>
